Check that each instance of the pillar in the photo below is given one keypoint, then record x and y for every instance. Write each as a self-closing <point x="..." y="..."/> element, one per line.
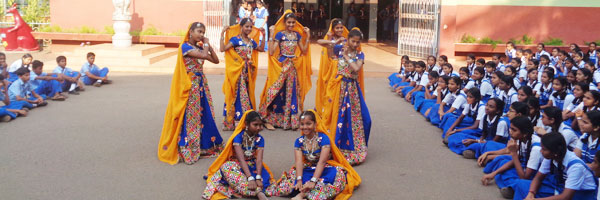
<point x="372" y="20"/>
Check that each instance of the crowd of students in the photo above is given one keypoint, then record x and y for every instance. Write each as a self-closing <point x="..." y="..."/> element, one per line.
<point x="532" y="122"/>
<point x="24" y="85"/>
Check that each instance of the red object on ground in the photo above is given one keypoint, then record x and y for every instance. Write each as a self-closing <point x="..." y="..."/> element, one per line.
<point x="18" y="38"/>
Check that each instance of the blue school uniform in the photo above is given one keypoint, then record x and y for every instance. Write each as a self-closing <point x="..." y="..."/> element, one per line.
<point x="588" y="147"/>
<point x="44" y="88"/>
<point x="545" y="93"/>
<point x="396" y="78"/>
<point x="510" y="54"/>
<point x="67" y="72"/>
<point x="490" y="145"/>
<point x="485" y="125"/>
<point x="95" y="70"/>
<point x="428" y="103"/>
<point x="485" y="88"/>
<point x="471" y="68"/>
<point x="471" y="113"/>
<point x="508" y="98"/>
<point x="20" y="88"/>
<point x="419" y="97"/>
<point x="576" y="175"/>
<point x="455" y="100"/>
<point x="458" y="102"/>
<point x="402" y="81"/>
<point x="16" y="105"/>
<point x="418" y="80"/>
<point x="529" y="157"/>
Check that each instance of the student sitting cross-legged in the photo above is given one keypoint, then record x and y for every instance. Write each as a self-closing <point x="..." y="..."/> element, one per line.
<point x="44" y="84"/>
<point x="21" y="90"/>
<point x="92" y="74"/>
<point x="10" y="110"/>
<point x="71" y="81"/>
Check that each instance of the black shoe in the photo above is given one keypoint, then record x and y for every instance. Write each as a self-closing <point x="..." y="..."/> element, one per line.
<point x="74" y="92"/>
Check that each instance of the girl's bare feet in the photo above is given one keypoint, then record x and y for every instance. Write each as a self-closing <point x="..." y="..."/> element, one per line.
<point x="22" y="113"/>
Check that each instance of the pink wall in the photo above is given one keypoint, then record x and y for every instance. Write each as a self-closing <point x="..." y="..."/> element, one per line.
<point x="166" y="15"/>
<point x="571" y="24"/>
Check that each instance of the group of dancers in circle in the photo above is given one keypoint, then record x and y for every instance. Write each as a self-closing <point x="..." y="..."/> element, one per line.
<point x="334" y="134"/>
<point x="533" y="124"/>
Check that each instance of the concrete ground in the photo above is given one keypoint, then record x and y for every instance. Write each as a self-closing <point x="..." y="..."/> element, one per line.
<point x="102" y="144"/>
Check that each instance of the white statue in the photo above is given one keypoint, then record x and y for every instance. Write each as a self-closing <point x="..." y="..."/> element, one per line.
<point x="121" y="9"/>
<point x="121" y="18"/>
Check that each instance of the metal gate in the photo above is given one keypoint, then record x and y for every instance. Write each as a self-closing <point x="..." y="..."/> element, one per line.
<point x="216" y="15"/>
<point x="418" y="35"/>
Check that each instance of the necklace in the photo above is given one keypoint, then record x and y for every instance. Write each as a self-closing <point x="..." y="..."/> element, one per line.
<point x="311" y="153"/>
<point x="250" y="146"/>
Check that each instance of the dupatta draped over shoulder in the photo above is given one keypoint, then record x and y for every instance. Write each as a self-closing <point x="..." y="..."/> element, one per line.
<point x="178" y="98"/>
<point x="327" y="71"/>
<point x="301" y="63"/>
<point x="234" y="64"/>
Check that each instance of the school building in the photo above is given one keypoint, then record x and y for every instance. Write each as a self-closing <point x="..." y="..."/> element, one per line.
<point x="425" y="27"/>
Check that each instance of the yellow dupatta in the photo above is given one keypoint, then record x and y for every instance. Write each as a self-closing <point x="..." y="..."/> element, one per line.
<point x="327" y="71"/>
<point x="338" y="159"/>
<point x="227" y="153"/>
<point x="234" y="64"/>
<point x="332" y="103"/>
<point x="180" y="87"/>
<point x="301" y="63"/>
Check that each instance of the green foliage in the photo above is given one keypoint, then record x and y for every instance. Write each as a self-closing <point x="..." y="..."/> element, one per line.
<point x="467" y="39"/>
<point x="9" y="3"/>
<point x="151" y="30"/>
<point x="527" y="39"/>
<point x="178" y="33"/>
<point x="36" y="11"/>
<point x="86" y="29"/>
<point x="488" y="40"/>
<point x="588" y="43"/>
<point x="50" y="29"/>
<point x="109" y="30"/>
<point x="135" y="33"/>
<point x="515" y="41"/>
<point x="553" y="42"/>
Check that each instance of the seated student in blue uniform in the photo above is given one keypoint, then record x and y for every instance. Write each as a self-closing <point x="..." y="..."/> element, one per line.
<point x="44" y="84"/>
<point x="552" y="119"/>
<point x="544" y="90"/>
<point x="485" y="86"/>
<point x="464" y="75"/>
<point x="469" y="118"/>
<point x="9" y="110"/>
<point x="451" y="103"/>
<point x="579" y="91"/>
<point x="490" y="67"/>
<point x="448" y="70"/>
<point x="560" y="98"/>
<point x="523" y="159"/>
<point x="484" y="128"/>
<point x="422" y="82"/>
<point x="71" y="82"/>
<point x="400" y="76"/>
<point x="428" y="94"/>
<point x="524" y="93"/>
<point x="91" y="74"/>
<point x="21" y="90"/>
<point x="589" y="124"/>
<point x="436" y="98"/>
<point x="508" y="92"/>
<point x="417" y="82"/>
<point x="485" y="152"/>
<point x="595" y="166"/>
<point x="572" y="178"/>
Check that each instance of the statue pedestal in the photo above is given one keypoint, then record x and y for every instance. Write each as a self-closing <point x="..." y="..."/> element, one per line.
<point x="122" y="38"/>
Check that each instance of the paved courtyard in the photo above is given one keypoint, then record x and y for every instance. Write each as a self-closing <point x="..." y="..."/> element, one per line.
<point x="102" y="145"/>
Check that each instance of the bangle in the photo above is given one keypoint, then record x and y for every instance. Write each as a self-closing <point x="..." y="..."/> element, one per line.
<point x="579" y="118"/>
<point x="298" y="177"/>
<point x="533" y="192"/>
<point x="313" y="179"/>
<point x="258" y="177"/>
<point x="251" y="178"/>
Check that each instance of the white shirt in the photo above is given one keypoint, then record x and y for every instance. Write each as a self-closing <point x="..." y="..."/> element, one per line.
<point x="570" y="137"/>
<point x="480" y="108"/>
<point x="535" y="155"/>
<point x="509" y="97"/>
<point x="578" y="177"/>
<point x="566" y="102"/>
<point x="424" y="79"/>
<point x="16" y="65"/>
<point x="485" y="87"/>
<point x="538" y="89"/>
<point x="591" y="143"/>
<point x="456" y="100"/>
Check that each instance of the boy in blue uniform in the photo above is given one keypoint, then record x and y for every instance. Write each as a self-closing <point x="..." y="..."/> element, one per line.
<point x="9" y="110"/>
<point x="3" y="67"/>
<point x="91" y="74"/>
<point x="21" y="90"/>
<point x="70" y="78"/>
<point x="44" y="84"/>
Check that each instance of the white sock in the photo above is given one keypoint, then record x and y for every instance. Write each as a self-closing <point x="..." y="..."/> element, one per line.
<point x="73" y="86"/>
<point x="99" y="81"/>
